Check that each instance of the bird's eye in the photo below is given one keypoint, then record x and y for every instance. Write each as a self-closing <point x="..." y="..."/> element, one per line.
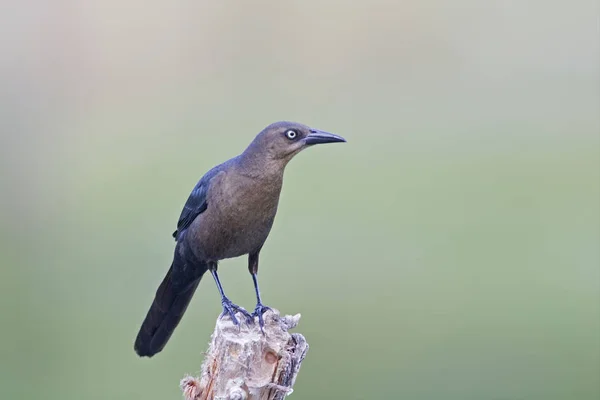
<point x="291" y="134"/>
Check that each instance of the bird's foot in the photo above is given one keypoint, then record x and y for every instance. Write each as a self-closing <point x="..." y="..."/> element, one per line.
<point x="258" y="312"/>
<point x="231" y="309"/>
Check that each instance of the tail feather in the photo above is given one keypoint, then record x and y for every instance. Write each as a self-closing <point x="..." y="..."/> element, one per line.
<point x="166" y="311"/>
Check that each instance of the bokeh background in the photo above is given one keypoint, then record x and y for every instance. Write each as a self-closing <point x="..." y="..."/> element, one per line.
<point x="450" y="250"/>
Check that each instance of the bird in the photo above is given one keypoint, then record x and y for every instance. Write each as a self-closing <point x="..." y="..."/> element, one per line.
<point x="228" y="214"/>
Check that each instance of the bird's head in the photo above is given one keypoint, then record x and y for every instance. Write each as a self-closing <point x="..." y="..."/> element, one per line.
<point x="282" y="140"/>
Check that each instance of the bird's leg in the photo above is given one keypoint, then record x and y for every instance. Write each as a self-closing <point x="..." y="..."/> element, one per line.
<point x="228" y="307"/>
<point x="260" y="308"/>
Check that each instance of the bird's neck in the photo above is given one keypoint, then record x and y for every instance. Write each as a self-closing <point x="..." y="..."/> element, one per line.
<point x="259" y="164"/>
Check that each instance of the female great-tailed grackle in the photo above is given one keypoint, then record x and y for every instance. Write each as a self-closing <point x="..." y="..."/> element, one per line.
<point x="228" y="214"/>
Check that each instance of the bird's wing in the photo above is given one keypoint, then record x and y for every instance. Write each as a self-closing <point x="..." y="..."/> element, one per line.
<point x="196" y="203"/>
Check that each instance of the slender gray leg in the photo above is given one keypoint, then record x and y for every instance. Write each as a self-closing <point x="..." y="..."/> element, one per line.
<point x="228" y="307"/>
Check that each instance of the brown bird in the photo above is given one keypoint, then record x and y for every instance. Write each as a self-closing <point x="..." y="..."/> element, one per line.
<point x="229" y="213"/>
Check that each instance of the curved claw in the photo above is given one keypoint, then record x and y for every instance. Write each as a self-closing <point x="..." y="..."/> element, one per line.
<point x="231" y="309"/>
<point x="258" y="312"/>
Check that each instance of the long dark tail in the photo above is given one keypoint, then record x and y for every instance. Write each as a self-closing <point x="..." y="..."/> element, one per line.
<point x="172" y="299"/>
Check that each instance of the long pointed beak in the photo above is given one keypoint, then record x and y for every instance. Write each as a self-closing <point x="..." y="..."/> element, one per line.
<point x="318" y="137"/>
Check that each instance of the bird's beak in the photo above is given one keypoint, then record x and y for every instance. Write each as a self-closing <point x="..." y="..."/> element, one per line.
<point x="317" y="137"/>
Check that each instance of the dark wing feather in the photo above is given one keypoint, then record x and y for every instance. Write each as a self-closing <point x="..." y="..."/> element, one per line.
<point x="196" y="203"/>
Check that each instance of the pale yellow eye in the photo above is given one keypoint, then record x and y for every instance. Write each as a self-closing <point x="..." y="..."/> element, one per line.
<point x="291" y="134"/>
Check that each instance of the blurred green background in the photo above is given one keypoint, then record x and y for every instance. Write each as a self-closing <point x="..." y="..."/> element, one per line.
<point x="450" y="250"/>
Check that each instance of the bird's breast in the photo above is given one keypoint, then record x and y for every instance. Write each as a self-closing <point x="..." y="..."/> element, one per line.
<point x="239" y="216"/>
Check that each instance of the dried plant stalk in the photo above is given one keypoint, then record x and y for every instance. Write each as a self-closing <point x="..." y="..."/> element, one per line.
<point x="242" y="363"/>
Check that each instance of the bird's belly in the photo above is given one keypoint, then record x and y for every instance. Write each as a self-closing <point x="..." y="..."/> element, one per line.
<point x="233" y="228"/>
<point x="232" y="237"/>
<point x="244" y="240"/>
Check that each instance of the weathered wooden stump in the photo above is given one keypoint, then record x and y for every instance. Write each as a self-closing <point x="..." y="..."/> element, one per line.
<point x="242" y="363"/>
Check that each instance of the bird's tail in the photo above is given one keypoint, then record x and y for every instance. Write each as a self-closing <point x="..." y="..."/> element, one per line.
<point x="169" y="305"/>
